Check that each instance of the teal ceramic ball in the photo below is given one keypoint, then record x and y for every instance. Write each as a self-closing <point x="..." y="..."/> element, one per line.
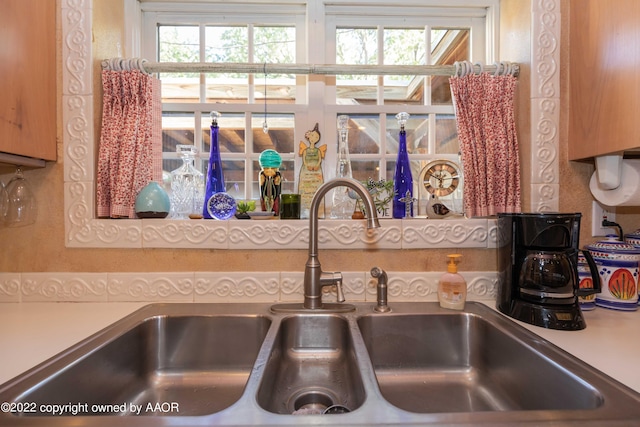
<point x="152" y="202"/>
<point x="270" y="159"/>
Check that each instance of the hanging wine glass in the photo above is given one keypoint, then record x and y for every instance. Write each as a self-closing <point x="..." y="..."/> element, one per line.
<point x="22" y="208"/>
<point x="4" y="202"/>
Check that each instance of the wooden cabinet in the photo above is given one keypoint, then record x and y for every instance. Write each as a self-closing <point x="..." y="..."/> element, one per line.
<point x="604" y="77"/>
<point x="28" y="78"/>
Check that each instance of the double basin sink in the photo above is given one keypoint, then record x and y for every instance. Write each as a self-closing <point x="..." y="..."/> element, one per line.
<point x="233" y="364"/>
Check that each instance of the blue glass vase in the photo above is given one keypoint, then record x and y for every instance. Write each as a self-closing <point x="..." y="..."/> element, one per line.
<point x="215" y="177"/>
<point x="402" y="179"/>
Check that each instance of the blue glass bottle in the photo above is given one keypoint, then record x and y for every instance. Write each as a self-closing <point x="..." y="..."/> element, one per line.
<point x="402" y="179"/>
<point x="215" y="178"/>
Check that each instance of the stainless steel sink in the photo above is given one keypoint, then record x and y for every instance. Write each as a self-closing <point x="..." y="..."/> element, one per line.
<point x="233" y="364"/>
<point x="463" y="363"/>
<point x="312" y="366"/>
<point x="200" y="361"/>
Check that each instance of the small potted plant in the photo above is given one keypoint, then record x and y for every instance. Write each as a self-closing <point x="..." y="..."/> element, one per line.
<point x="243" y="207"/>
<point x="382" y="193"/>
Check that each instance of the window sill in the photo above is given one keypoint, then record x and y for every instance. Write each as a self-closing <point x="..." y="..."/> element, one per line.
<point x="281" y="234"/>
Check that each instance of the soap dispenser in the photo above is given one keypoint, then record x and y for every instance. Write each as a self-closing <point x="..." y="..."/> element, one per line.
<point x="452" y="288"/>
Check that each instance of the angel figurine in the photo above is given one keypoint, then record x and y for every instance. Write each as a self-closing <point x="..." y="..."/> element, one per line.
<point x="311" y="176"/>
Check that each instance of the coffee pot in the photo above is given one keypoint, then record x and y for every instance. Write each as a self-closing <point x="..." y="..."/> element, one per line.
<point x="538" y="269"/>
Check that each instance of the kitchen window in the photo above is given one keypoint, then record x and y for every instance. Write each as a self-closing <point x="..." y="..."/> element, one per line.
<point x="340" y="32"/>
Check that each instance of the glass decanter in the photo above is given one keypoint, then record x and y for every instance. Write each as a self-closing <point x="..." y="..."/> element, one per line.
<point x="187" y="185"/>
<point x="215" y="177"/>
<point x="343" y="204"/>
<point x="402" y="179"/>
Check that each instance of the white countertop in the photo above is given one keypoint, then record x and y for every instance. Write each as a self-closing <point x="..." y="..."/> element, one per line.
<point x="30" y="333"/>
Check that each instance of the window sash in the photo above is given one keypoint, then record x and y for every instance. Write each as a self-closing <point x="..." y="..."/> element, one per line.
<point x="316" y="97"/>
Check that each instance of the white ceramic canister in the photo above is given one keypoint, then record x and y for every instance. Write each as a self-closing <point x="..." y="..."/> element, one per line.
<point x="617" y="264"/>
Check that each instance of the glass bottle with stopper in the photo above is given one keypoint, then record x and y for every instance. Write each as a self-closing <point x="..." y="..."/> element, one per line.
<point x="187" y="185"/>
<point x="215" y="177"/>
<point x="402" y="180"/>
<point x="343" y="204"/>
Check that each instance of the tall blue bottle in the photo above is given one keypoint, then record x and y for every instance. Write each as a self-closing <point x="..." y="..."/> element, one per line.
<point x="215" y="178"/>
<point x="402" y="179"/>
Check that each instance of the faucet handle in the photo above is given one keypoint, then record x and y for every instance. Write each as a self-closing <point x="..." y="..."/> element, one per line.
<point x="339" y="290"/>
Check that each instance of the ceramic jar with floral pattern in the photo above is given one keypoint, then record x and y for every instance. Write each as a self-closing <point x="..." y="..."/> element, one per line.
<point x="617" y="264"/>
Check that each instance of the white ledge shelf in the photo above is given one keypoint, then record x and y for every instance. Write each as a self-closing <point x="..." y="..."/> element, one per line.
<point x="282" y="234"/>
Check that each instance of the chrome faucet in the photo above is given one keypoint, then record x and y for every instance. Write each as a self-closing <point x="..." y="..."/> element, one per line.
<point x="381" y="290"/>
<point x="314" y="278"/>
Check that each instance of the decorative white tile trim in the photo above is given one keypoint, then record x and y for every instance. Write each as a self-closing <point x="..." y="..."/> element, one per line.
<point x="174" y="234"/>
<point x="82" y="229"/>
<point x="150" y="287"/>
<point x="67" y="287"/>
<point x="492" y="233"/>
<point x="547" y="197"/>
<point x="545" y="104"/>
<point x="234" y="287"/>
<point x="225" y="287"/>
<point x="268" y="234"/>
<point x="9" y="287"/>
<point x="463" y="233"/>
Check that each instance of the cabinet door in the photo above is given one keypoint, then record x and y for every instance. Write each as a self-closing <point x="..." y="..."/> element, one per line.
<point x="28" y="78"/>
<point x="604" y="77"/>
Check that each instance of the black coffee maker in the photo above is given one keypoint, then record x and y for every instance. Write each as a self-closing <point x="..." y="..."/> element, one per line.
<point x="538" y="269"/>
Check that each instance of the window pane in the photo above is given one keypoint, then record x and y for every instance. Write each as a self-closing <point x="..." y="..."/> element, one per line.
<point x="233" y="172"/>
<point x="448" y="46"/>
<point x="279" y="136"/>
<point x="417" y="129"/>
<point x="404" y="47"/>
<point x="357" y="46"/>
<point x="364" y="134"/>
<point x="230" y="133"/>
<point x="275" y="45"/>
<point x="177" y="128"/>
<point x="362" y="170"/>
<point x="227" y="44"/>
<point x="179" y="44"/>
<point x="446" y="134"/>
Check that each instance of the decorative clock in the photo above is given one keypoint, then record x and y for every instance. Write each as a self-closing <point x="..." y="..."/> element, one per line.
<point x="441" y="177"/>
<point x="440" y="189"/>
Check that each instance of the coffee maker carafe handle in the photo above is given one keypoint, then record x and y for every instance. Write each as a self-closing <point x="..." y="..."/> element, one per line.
<point x="597" y="287"/>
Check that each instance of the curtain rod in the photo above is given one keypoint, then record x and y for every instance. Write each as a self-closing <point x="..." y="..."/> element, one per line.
<point x="459" y="68"/>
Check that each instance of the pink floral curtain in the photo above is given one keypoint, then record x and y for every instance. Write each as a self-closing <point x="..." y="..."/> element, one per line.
<point x="130" y="152"/>
<point x="484" y="105"/>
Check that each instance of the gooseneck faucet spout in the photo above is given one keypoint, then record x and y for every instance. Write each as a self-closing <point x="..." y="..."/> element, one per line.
<point x="314" y="278"/>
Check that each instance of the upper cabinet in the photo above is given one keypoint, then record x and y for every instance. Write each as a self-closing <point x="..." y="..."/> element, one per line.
<point x="27" y="80"/>
<point x="604" y="77"/>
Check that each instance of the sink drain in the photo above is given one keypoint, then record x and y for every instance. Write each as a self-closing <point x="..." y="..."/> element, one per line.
<point x="311" y="402"/>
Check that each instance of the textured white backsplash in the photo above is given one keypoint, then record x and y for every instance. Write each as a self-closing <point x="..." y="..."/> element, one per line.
<point x="225" y="287"/>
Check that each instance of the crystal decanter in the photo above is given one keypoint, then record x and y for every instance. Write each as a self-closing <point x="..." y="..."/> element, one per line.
<point x="343" y="204"/>
<point x="187" y="185"/>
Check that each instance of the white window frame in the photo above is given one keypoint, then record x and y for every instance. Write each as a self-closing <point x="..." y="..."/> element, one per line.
<point x="316" y="23"/>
